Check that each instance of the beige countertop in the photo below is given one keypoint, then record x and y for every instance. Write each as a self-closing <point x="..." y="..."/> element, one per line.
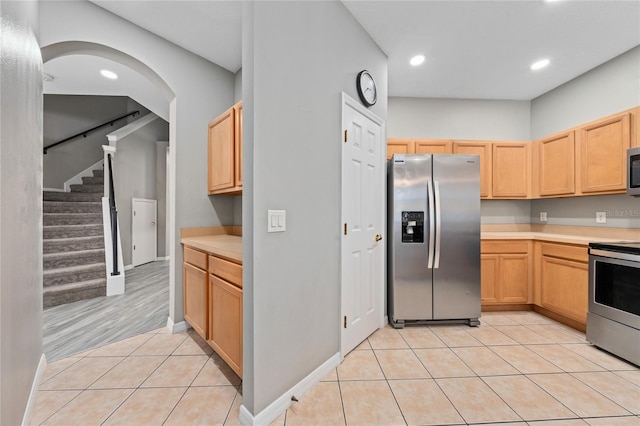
<point x="226" y="246"/>
<point x="544" y="236"/>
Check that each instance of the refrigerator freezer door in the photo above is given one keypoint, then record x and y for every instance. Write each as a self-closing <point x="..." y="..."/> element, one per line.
<point x="456" y="291"/>
<point x="409" y="283"/>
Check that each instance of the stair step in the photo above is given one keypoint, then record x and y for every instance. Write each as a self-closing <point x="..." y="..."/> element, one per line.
<point x="57" y="219"/>
<point x="71" y="196"/>
<point x="87" y="188"/>
<point x="72" y="258"/>
<point x="93" y="180"/>
<point x="72" y="274"/>
<point x="98" y="172"/>
<point x="72" y="244"/>
<point x="72" y="231"/>
<point x="72" y="207"/>
<point x="68" y="293"/>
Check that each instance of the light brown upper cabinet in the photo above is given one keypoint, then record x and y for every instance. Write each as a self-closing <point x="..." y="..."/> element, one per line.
<point x="603" y="148"/>
<point x="557" y="167"/>
<point x="225" y="152"/>
<point x="483" y="149"/>
<point x="511" y="170"/>
<point x="433" y="146"/>
<point x="400" y="146"/>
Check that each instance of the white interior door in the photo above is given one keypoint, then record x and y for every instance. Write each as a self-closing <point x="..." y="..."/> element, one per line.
<point x="363" y="207"/>
<point x="143" y="231"/>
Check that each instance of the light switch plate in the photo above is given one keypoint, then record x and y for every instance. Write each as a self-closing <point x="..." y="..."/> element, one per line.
<point x="276" y="220"/>
<point x="543" y="216"/>
<point x="601" y="217"/>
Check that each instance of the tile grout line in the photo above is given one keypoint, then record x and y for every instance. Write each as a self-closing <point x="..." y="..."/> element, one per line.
<point x="386" y="379"/>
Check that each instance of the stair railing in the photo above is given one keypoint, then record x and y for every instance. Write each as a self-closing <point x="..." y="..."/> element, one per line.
<point x="84" y="134"/>
<point x="114" y="219"/>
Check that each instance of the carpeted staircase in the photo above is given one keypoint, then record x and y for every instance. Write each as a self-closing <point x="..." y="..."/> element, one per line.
<point x="73" y="243"/>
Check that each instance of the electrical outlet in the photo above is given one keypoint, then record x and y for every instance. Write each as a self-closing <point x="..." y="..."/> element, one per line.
<point x="543" y="216"/>
<point x="601" y="217"/>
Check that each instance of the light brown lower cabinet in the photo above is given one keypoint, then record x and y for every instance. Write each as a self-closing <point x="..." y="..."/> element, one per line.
<point x="505" y="272"/>
<point x="564" y="279"/>
<point x="225" y="322"/>
<point x="213" y="303"/>
<point x="195" y="290"/>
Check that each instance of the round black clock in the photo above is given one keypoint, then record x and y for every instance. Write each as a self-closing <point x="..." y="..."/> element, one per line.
<point x="366" y="86"/>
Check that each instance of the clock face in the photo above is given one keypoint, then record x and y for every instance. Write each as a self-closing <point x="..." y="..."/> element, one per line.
<point x="366" y="88"/>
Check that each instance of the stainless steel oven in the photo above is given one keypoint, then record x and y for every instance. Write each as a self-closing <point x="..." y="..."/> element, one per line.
<point x="613" y="320"/>
<point x="633" y="171"/>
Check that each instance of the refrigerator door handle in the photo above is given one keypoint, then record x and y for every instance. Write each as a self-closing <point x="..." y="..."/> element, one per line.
<point x="438" y="221"/>
<point x="430" y="255"/>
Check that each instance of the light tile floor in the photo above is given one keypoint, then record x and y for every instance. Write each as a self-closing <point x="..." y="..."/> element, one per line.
<point x="517" y="368"/>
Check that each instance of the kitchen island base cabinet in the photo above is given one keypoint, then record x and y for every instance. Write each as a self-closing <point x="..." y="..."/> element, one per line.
<point x="225" y="322"/>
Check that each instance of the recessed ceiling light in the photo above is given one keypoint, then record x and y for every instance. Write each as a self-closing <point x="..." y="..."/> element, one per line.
<point x="109" y="74"/>
<point x="417" y="60"/>
<point x="540" y="64"/>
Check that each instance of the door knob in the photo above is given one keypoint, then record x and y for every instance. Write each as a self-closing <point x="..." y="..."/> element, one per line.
<point x="153" y="223"/>
<point x="378" y="237"/>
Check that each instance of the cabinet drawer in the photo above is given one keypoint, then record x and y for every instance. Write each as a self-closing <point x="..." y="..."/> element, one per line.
<point x="195" y="257"/>
<point x="562" y="251"/>
<point x="504" y="247"/>
<point x="229" y="271"/>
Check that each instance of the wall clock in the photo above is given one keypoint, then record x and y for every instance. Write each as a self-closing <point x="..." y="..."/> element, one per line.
<point x="366" y="86"/>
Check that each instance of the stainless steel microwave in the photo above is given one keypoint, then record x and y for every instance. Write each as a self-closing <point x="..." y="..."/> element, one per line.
<point x="633" y="167"/>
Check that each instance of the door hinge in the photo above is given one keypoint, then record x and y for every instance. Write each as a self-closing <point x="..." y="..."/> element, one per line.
<point x="345" y="321"/>
<point x="345" y="136"/>
<point x="345" y="229"/>
<point x="134" y="246"/>
<point x="134" y="212"/>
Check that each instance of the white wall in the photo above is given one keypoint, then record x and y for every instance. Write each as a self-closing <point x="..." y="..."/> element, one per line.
<point x="135" y="176"/>
<point x="202" y="91"/>
<point x="162" y="196"/>
<point x="292" y="80"/>
<point x="458" y="119"/>
<point x="67" y="115"/>
<point x="607" y="89"/>
<point x="20" y="207"/>
<point x="612" y="87"/>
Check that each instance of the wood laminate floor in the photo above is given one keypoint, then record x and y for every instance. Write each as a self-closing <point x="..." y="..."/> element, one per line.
<point x="88" y="324"/>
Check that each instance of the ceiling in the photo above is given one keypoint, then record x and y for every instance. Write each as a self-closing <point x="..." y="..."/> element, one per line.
<point x="474" y="49"/>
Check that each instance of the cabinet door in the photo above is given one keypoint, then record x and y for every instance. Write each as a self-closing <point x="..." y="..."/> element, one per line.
<point x="603" y="147"/>
<point x="483" y="149"/>
<point x="225" y="323"/>
<point x="557" y="165"/>
<point x="195" y="298"/>
<point x="400" y="146"/>
<point x="434" y="146"/>
<point x="514" y="278"/>
<point x="237" y="109"/>
<point x="489" y="278"/>
<point x="564" y="287"/>
<point x="221" y="152"/>
<point x="510" y="170"/>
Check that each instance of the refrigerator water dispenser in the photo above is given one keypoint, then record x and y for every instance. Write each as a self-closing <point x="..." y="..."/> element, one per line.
<point x="413" y="227"/>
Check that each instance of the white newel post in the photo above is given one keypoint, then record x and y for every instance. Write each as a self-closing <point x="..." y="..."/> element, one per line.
<point x="115" y="283"/>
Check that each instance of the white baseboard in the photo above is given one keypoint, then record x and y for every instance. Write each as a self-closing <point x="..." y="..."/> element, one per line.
<point x="277" y="407"/>
<point x="54" y="189"/>
<point x="128" y="267"/>
<point x="177" y="327"/>
<point x="33" y="393"/>
<point x="88" y="172"/>
<point x="162" y="258"/>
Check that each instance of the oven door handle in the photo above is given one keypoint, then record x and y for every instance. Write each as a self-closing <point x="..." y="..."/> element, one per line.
<point x="614" y="255"/>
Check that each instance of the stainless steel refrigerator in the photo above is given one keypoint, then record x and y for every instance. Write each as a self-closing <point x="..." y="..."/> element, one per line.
<point x="434" y="225"/>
